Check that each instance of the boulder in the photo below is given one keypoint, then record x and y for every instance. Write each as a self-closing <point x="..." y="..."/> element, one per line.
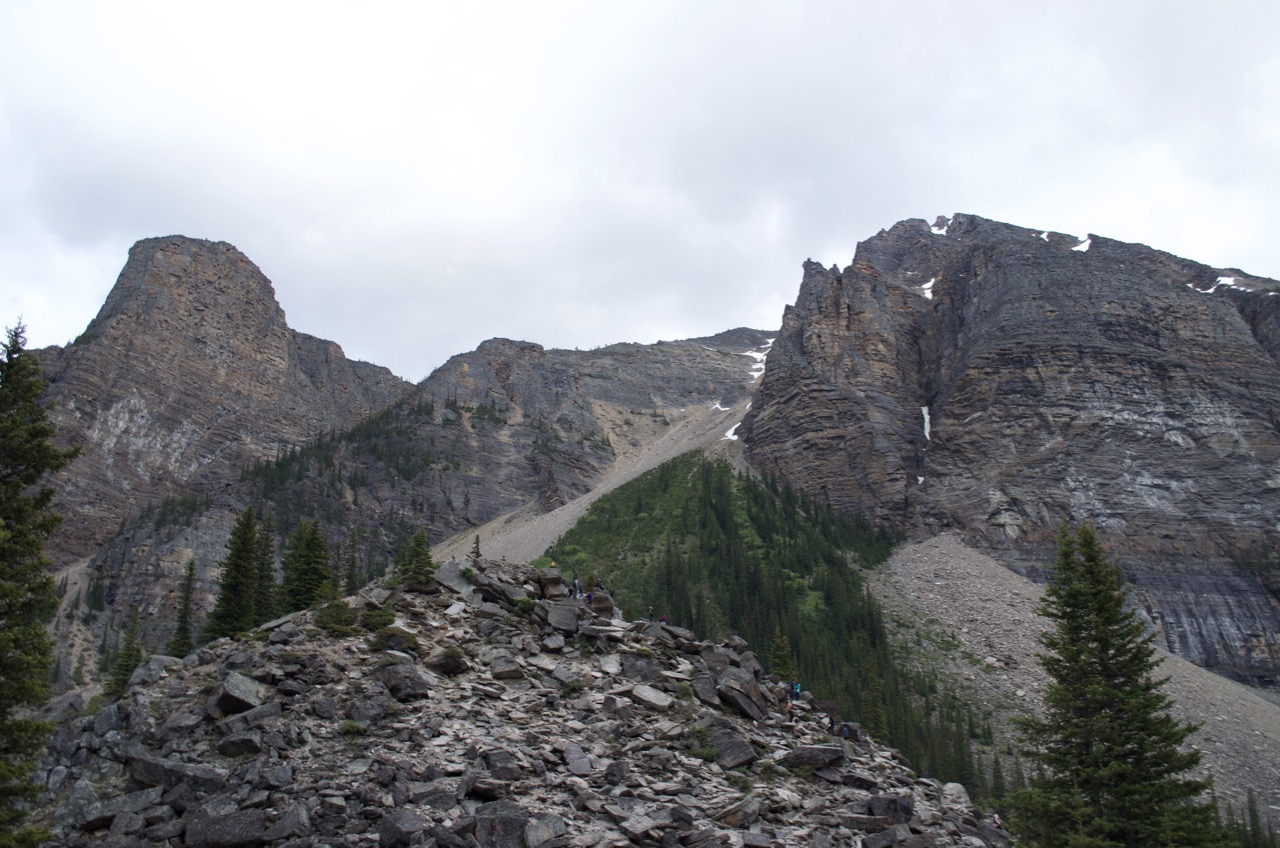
<point x="741" y="691"/>
<point x="501" y="824"/>
<point x="732" y="748"/>
<point x="404" y="682"/>
<point x="398" y="829"/>
<point x="238" y="693"/>
<point x="238" y="829"/>
<point x="814" y="756"/>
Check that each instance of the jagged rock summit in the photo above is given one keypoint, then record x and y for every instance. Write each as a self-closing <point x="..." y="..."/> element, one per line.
<point x="497" y="713"/>
<point x="188" y="373"/>
<point x="999" y="380"/>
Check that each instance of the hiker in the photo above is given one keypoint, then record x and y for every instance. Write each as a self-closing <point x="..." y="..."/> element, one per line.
<point x="662" y="619"/>
<point x="590" y="597"/>
<point x="577" y="588"/>
<point x="651" y="615"/>
<point x="797" y="691"/>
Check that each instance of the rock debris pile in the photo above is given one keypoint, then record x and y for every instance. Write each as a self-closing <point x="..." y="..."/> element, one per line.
<point x="497" y="713"/>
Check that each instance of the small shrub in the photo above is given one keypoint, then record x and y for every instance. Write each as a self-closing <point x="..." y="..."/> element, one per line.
<point x="575" y="686"/>
<point x="348" y="727"/>
<point x="524" y="605"/>
<point x="704" y="752"/>
<point x="376" y="619"/>
<point x="684" y="690"/>
<point x="395" y="639"/>
<point x="467" y="574"/>
<point x="739" y="780"/>
<point x="336" y="619"/>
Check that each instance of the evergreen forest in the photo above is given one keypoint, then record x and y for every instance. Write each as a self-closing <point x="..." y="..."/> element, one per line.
<point x="721" y="552"/>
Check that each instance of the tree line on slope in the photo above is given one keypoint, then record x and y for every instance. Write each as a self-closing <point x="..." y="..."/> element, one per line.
<point x="721" y="552"/>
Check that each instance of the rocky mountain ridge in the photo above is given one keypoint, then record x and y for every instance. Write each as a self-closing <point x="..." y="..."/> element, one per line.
<point x="996" y="380"/>
<point x="189" y="380"/>
<point x="188" y="373"/>
<point x="498" y="713"/>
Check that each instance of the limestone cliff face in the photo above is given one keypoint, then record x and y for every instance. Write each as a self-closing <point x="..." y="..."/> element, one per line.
<point x="188" y="373"/>
<point x="999" y="380"/>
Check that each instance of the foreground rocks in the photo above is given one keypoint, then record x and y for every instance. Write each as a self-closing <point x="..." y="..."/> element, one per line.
<point x="597" y="739"/>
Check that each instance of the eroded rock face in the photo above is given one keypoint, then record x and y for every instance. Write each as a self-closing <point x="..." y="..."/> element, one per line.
<point x="188" y="373"/>
<point x="1000" y="380"/>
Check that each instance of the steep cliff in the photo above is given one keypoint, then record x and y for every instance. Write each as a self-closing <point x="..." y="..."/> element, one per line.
<point x="998" y="380"/>
<point x="188" y="373"/>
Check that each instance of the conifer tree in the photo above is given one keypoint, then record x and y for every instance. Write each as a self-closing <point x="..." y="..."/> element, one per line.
<point x="234" y="610"/>
<point x="415" y="570"/>
<point x="474" y="556"/>
<point x="1112" y="771"/>
<point x="27" y="596"/>
<point x="782" y="661"/>
<point x="307" y="578"/>
<point x="266" y="605"/>
<point x="126" y="660"/>
<point x="183" y="642"/>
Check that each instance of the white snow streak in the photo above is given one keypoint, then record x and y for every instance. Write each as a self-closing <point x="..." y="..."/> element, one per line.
<point x="731" y="436"/>
<point x="1084" y="245"/>
<point x="719" y="408"/>
<point x="924" y="410"/>
<point x="758" y="355"/>
<point x="920" y="480"/>
<point x="1045" y="235"/>
<point x="927" y="288"/>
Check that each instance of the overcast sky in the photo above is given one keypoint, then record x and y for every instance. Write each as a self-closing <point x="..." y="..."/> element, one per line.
<point x="415" y="178"/>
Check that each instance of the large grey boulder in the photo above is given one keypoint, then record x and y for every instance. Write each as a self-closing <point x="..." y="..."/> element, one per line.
<point x="398" y="829"/>
<point x="239" y="829"/>
<point x="741" y="691"/>
<point x="501" y="824"/>
<point x="405" y="683"/>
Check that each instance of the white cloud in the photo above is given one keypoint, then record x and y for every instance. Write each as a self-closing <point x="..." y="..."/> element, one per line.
<point x="415" y="178"/>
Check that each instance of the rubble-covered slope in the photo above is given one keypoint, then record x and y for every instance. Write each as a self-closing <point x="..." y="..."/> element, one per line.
<point x="499" y="712"/>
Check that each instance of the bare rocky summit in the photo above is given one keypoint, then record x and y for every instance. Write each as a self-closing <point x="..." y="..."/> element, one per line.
<point x="498" y="713"/>
<point x="998" y="380"/>
<point x="188" y="374"/>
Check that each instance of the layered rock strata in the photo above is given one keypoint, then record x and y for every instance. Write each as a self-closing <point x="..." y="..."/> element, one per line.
<point x="998" y="380"/>
<point x="482" y="725"/>
<point x="188" y="374"/>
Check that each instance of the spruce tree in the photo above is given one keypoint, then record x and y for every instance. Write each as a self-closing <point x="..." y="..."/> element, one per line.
<point x="183" y="642"/>
<point x="782" y="661"/>
<point x="237" y="589"/>
<point x="415" y="570"/>
<point x="27" y="596"/>
<point x="126" y="660"/>
<point x="307" y="578"/>
<point x="474" y="556"/>
<point x="266" y="604"/>
<point x="1111" y="767"/>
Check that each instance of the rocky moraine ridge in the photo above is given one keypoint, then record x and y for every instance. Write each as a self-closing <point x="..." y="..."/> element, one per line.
<point x="997" y="380"/>
<point x="496" y="713"/>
